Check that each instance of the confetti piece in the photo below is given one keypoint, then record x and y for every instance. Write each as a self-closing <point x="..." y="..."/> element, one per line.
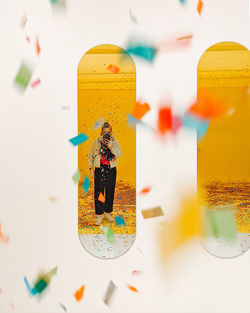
<point x="3" y="238"/>
<point x="132" y="17"/>
<point x="154" y="212"/>
<point x="119" y="221"/>
<point x="182" y="1"/>
<point x="40" y="285"/>
<point x="140" y="109"/>
<point x="200" y="6"/>
<point x="38" y="49"/>
<point x="35" y="83"/>
<point x="52" y="199"/>
<point x="145" y="190"/>
<point x="27" y="38"/>
<point x="109" y="234"/>
<point x="23" y="76"/>
<point x="132" y="288"/>
<point x="184" y="227"/>
<point x="143" y="51"/>
<point x="176" y="124"/>
<point x="32" y="291"/>
<point x="220" y="222"/>
<point x="109" y="295"/>
<point x="185" y="37"/>
<point x="63" y="307"/>
<point x="191" y="121"/>
<point x="207" y="106"/>
<point x="78" y="139"/>
<point x="99" y="123"/>
<point x="85" y="184"/>
<point x="135" y="272"/>
<point x="164" y="120"/>
<point x="114" y="69"/>
<point x="23" y="21"/>
<point x="76" y="176"/>
<point x="101" y="197"/>
<point x="79" y="293"/>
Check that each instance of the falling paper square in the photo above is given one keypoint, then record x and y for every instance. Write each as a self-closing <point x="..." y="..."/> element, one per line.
<point x="145" y="190"/>
<point x="85" y="184"/>
<point x="109" y="234"/>
<point x="79" y="293"/>
<point x="132" y="288"/>
<point x="101" y="197"/>
<point x="78" y="139"/>
<point x="143" y="51"/>
<point x="191" y="121"/>
<point x="119" y="221"/>
<point x="35" y="83"/>
<point x="200" y="6"/>
<point x="164" y="120"/>
<point x="38" y="48"/>
<point x="76" y="177"/>
<point x="108" y="297"/>
<point x="154" y="212"/>
<point x="140" y="109"/>
<point x="23" y="76"/>
<point x="114" y="69"/>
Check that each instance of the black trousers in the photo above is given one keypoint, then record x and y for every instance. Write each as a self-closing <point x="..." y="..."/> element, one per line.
<point x="105" y="179"/>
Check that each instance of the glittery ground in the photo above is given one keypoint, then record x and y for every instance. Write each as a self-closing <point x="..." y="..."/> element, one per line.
<point x="124" y="205"/>
<point x="237" y="193"/>
<point x="98" y="245"/>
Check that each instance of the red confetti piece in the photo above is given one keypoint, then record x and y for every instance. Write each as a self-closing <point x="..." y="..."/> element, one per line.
<point x="140" y="109"/>
<point x="164" y="120"/>
<point x="35" y="83"/>
<point x="135" y="272"/>
<point x="145" y="190"/>
<point x="101" y="197"/>
<point x="132" y="288"/>
<point x="207" y="106"/>
<point x="114" y="69"/>
<point x="79" y="293"/>
<point x="200" y="6"/>
<point x="38" y="49"/>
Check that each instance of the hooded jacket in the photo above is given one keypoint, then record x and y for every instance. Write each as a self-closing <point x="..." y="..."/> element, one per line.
<point x="94" y="157"/>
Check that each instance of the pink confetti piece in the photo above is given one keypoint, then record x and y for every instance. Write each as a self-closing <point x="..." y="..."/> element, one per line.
<point x="135" y="272"/>
<point x="35" y="83"/>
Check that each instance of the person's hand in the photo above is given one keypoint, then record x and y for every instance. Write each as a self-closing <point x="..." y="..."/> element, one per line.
<point x="92" y="173"/>
<point x="109" y="143"/>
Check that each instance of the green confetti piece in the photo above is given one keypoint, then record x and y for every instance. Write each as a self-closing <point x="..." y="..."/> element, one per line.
<point x="23" y="76"/>
<point x="76" y="177"/>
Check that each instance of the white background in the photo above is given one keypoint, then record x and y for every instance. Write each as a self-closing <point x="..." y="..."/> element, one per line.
<point x="37" y="161"/>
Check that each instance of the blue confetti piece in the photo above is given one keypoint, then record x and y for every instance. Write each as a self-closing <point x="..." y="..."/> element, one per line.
<point x="191" y="121"/>
<point x="182" y="1"/>
<point x="119" y="221"/>
<point x="32" y="291"/>
<point x="85" y="184"/>
<point x="78" y="139"/>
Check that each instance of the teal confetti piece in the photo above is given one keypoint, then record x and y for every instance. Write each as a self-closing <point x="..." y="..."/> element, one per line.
<point x="145" y="52"/>
<point x="41" y="285"/>
<point x="191" y="121"/>
<point x="119" y="221"/>
<point x="32" y="291"/>
<point x="76" y="176"/>
<point x="85" y="184"/>
<point x="78" y="139"/>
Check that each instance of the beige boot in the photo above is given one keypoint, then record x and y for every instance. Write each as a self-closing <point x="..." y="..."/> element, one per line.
<point x="98" y="220"/>
<point x="108" y="217"/>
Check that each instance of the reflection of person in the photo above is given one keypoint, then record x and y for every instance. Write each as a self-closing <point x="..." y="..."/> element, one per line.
<point x="102" y="164"/>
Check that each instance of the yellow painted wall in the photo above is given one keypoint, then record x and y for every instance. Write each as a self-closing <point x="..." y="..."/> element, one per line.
<point x="102" y="93"/>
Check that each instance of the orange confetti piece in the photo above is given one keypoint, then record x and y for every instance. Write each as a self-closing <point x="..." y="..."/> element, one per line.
<point x="38" y="49"/>
<point x="114" y="69"/>
<point x="28" y="38"/>
<point x="140" y="109"/>
<point x="185" y="37"/>
<point x="3" y="238"/>
<point x="207" y="106"/>
<point x="132" y="288"/>
<point x="145" y="190"/>
<point x="79" y="293"/>
<point x="101" y="197"/>
<point x="164" y="120"/>
<point x="200" y="6"/>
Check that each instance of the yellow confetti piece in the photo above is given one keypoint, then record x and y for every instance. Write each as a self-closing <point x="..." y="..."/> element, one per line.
<point x="154" y="212"/>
